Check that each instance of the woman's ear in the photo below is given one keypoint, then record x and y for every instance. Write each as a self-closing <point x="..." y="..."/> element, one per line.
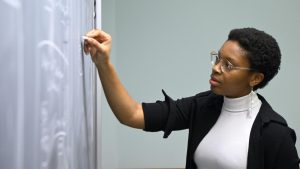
<point x="256" y="79"/>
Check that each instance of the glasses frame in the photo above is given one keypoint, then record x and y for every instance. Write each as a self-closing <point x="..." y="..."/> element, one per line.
<point x="226" y="66"/>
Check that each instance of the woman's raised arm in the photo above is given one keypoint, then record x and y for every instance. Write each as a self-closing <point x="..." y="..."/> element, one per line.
<point x="126" y="109"/>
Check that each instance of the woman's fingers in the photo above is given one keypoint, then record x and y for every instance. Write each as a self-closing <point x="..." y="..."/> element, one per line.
<point x="99" y="35"/>
<point x="98" y="44"/>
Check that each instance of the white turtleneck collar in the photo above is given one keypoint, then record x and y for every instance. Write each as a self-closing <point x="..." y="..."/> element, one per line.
<point x="241" y="104"/>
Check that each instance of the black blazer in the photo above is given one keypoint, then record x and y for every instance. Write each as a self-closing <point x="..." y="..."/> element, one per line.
<point x="271" y="144"/>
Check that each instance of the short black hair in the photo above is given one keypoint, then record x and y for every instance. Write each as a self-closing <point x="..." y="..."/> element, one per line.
<point x="262" y="51"/>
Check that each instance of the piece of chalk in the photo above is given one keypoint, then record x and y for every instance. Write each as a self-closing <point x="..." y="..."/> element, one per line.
<point x="84" y="38"/>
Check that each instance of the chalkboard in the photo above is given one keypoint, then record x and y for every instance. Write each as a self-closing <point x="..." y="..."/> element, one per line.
<point x="47" y="89"/>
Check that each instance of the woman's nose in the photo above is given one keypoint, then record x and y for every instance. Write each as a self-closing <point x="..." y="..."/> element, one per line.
<point x="217" y="68"/>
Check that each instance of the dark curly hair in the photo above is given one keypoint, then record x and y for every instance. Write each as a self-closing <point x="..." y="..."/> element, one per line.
<point x="262" y="51"/>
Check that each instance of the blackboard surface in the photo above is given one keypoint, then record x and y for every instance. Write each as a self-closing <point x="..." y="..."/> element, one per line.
<point x="47" y="101"/>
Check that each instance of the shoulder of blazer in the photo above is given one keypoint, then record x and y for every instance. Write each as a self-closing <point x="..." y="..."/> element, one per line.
<point x="273" y="122"/>
<point x="268" y="115"/>
<point x="209" y="98"/>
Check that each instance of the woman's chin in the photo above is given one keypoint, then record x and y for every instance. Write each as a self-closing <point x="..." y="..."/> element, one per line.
<point x="216" y="91"/>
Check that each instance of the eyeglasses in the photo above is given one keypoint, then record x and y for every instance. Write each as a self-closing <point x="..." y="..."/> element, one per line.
<point x="226" y="66"/>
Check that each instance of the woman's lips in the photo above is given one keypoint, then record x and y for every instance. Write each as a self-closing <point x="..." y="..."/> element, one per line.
<point x="214" y="82"/>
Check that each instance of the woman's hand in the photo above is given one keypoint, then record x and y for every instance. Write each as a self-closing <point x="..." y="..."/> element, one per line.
<point x="98" y="44"/>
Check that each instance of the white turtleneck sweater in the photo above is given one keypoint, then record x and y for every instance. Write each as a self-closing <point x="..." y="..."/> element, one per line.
<point x="226" y="144"/>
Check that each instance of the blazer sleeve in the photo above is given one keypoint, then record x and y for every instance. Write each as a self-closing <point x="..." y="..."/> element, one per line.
<point x="168" y="115"/>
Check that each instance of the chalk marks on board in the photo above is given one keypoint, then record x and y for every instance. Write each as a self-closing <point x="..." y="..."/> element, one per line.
<point x="53" y="61"/>
<point x="55" y="48"/>
<point x="54" y="4"/>
<point x="55" y="89"/>
<point x="44" y="93"/>
<point x="13" y="3"/>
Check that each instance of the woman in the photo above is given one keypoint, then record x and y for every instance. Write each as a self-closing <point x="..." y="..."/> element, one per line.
<point x="230" y="126"/>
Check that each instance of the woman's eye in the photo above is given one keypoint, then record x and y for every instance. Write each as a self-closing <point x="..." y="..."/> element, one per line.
<point x="229" y="66"/>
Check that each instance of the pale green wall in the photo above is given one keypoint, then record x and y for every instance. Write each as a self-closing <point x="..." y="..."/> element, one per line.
<point x="166" y="43"/>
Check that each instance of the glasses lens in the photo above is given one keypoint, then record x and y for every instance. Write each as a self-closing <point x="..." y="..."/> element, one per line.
<point x="214" y="58"/>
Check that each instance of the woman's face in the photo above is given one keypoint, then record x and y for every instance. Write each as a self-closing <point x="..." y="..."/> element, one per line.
<point x="231" y="83"/>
